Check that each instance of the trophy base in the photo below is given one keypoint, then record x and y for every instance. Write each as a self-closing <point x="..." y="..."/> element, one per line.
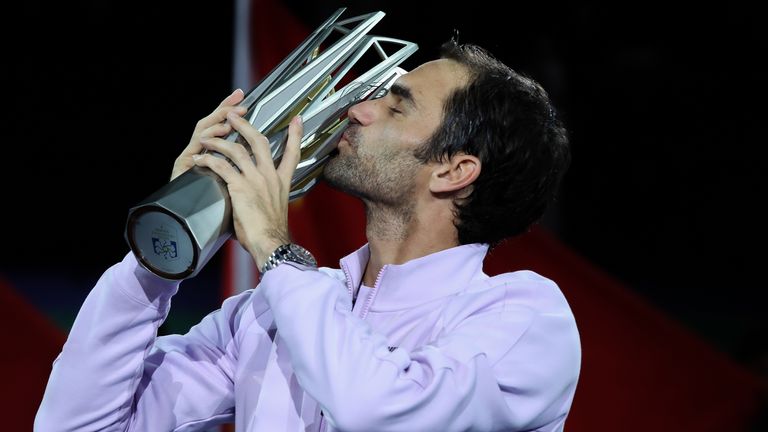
<point x="162" y="243"/>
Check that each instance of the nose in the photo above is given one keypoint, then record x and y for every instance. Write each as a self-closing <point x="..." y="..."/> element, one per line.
<point x="362" y="113"/>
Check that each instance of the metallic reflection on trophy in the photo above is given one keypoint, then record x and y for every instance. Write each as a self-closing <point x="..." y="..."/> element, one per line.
<point x="176" y="230"/>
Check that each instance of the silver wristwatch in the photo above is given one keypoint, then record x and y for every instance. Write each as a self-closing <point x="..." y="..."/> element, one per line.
<point x="289" y="252"/>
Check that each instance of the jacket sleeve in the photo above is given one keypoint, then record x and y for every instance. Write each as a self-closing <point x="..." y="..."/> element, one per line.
<point x="115" y="374"/>
<point x="506" y="367"/>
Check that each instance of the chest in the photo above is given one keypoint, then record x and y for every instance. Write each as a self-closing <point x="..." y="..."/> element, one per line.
<point x="268" y="395"/>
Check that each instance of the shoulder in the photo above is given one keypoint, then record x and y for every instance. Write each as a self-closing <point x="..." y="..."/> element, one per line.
<point x="523" y="307"/>
<point x="520" y="292"/>
<point x="530" y="289"/>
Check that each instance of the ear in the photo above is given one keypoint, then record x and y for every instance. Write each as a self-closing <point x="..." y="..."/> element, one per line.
<point x="454" y="174"/>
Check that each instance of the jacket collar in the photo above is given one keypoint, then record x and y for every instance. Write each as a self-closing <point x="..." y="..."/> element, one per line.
<point x="420" y="280"/>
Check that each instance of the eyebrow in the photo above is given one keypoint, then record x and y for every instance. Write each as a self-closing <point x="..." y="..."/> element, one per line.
<point x="403" y="93"/>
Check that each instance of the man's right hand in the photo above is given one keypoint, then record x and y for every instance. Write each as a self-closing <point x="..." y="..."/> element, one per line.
<point x="214" y="125"/>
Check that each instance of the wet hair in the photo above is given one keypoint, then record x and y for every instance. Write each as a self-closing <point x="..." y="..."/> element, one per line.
<point x="507" y="121"/>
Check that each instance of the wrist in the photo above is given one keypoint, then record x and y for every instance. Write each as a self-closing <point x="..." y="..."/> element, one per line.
<point x="262" y="252"/>
<point x="288" y="253"/>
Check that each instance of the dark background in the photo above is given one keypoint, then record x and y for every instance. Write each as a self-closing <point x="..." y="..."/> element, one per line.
<point x="662" y="104"/>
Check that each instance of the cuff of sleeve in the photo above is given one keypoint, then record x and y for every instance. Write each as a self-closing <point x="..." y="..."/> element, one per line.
<point x="275" y="282"/>
<point x="143" y="285"/>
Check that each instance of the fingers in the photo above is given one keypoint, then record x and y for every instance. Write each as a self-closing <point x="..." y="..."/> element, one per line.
<point x="261" y="165"/>
<point x="292" y="153"/>
<point x="220" y="113"/>
<point x="234" y="98"/>
<point x="258" y="142"/>
<point x="232" y="151"/>
<point x="217" y="130"/>
<point x="220" y="166"/>
<point x="213" y="125"/>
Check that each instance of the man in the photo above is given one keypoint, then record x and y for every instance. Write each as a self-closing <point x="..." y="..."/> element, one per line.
<point x="409" y="335"/>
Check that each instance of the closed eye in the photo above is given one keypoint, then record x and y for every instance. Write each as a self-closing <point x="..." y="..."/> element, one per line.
<point x="395" y="110"/>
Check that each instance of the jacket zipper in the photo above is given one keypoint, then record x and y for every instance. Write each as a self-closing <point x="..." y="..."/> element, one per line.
<point x="350" y="288"/>
<point x="368" y="301"/>
<point x="372" y="294"/>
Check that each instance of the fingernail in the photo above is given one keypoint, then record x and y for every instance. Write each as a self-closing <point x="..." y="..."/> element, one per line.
<point x="232" y="115"/>
<point x="196" y="157"/>
<point x="298" y="119"/>
<point x="237" y="90"/>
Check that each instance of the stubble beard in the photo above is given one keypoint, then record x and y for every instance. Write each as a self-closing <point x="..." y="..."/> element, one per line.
<point x="385" y="181"/>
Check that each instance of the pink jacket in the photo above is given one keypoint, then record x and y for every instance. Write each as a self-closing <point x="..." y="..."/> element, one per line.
<point x="435" y="345"/>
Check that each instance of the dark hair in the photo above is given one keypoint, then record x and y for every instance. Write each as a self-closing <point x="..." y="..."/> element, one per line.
<point x="507" y="121"/>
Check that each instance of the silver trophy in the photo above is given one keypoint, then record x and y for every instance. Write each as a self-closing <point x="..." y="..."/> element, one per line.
<point x="176" y="230"/>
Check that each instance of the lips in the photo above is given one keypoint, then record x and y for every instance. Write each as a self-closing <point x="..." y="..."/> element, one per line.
<point x="342" y="142"/>
<point x="345" y="136"/>
<point x="345" y="139"/>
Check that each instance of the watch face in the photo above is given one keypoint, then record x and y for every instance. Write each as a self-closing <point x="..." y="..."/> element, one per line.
<point x="303" y="255"/>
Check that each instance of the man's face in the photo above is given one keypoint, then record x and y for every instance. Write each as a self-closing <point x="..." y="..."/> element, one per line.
<point x="375" y="158"/>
